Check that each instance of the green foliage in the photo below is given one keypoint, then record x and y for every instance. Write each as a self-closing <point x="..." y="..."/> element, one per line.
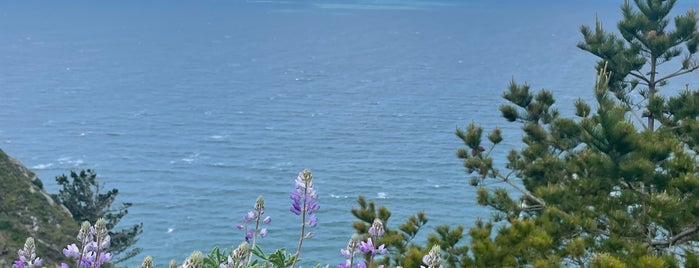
<point x="595" y="190"/>
<point x="647" y="41"/>
<point x="403" y="251"/>
<point x="279" y="258"/>
<point x="214" y="258"/>
<point x="26" y="210"/>
<point x="447" y="238"/>
<point x="81" y="195"/>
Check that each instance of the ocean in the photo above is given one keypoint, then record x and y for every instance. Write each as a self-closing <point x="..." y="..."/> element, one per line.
<point x="192" y="109"/>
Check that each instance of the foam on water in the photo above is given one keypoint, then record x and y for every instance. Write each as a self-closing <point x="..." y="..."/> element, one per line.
<point x="42" y="166"/>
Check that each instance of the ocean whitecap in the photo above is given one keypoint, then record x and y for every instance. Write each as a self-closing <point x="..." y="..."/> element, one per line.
<point x="42" y="166"/>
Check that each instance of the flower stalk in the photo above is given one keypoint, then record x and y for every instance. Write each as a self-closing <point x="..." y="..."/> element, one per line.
<point x="304" y="204"/>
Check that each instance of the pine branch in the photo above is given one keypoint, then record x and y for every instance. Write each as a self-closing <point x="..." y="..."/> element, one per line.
<point x="525" y="192"/>
<point x="682" y="237"/>
<point x="640" y="76"/>
<point x="678" y="73"/>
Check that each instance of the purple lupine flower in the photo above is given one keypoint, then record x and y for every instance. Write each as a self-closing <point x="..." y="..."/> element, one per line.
<point x="71" y="251"/>
<point x="106" y="257"/>
<point x="63" y="265"/>
<point x="253" y="217"/>
<point x="248" y="235"/>
<point x="304" y="204"/>
<point x="376" y="231"/>
<point x="349" y="252"/>
<point x="304" y="194"/>
<point x="249" y="216"/>
<point x="313" y="221"/>
<point x="376" y="228"/>
<point x="27" y="256"/>
<point x="368" y="247"/>
<point x="94" y="240"/>
<point x="432" y="259"/>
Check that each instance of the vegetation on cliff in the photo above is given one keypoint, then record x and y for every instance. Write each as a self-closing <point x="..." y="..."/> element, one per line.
<point x="26" y="210"/>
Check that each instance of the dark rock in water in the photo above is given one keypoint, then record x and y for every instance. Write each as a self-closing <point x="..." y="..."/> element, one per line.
<point x="26" y="210"/>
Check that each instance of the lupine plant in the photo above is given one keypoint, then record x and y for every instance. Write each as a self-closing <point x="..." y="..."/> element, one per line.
<point x="304" y="204"/>
<point x="27" y="256"/>
<point x="94" y="241"/>
<point x="354" y="247"/>
<point x="147" y="262"/>
<point x="256" y="217"/>
<point x="433" y="259"/>
<point x="196" y="260"/>
<point x="350" y="252"/>
<point x="368" y="247"/>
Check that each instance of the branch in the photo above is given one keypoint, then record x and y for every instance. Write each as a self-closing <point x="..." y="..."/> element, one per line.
<point x="526" y="193"/>
<point x="681" y="237"/>
<point x="629" y="108"/>
<point x="678" y="72"/>
<point x="640" y="76"/>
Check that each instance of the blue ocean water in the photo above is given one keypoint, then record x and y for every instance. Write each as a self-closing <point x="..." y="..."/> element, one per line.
<point x="193" y="109"/>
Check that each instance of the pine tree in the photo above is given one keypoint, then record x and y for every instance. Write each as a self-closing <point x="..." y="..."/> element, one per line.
<point x="81" y="195"/>
<point x="647" y="43"/>
<point x="594" y="189"/>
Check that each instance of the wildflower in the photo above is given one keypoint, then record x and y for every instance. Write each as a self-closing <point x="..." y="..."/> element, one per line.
<point x="147" y="262"/>
<point x="313" y="221"/>
<point x="432" y="259"/>
<point x="196" y="260"/>
<point x="255" y="216"/>
<point x="94" y="242"/>
<point x="71" y="251"/>
<point x="27" y="256"/>
<point x="368" y="247"/>
<point x="376" y="231"/>
<point x="304" y="194"/>
<point x="376" y="228"/>
<point x="304" y="204"/>
<point x="250" y="216"/>
<point x="237" y="257"/>
<point x="350" y="252"/>
<point x="248" y="235"/>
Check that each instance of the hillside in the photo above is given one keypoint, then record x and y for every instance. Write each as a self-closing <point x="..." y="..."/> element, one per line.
<point x="27" y="210"/>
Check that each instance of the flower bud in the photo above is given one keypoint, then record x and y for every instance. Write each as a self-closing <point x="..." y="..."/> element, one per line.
<point x="376" y="228"/>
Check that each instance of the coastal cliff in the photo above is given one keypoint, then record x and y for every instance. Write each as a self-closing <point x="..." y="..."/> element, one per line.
<point x="27" y="210"/>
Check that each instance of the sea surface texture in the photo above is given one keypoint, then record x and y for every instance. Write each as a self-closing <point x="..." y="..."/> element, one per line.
<point x="194" y="108"/>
